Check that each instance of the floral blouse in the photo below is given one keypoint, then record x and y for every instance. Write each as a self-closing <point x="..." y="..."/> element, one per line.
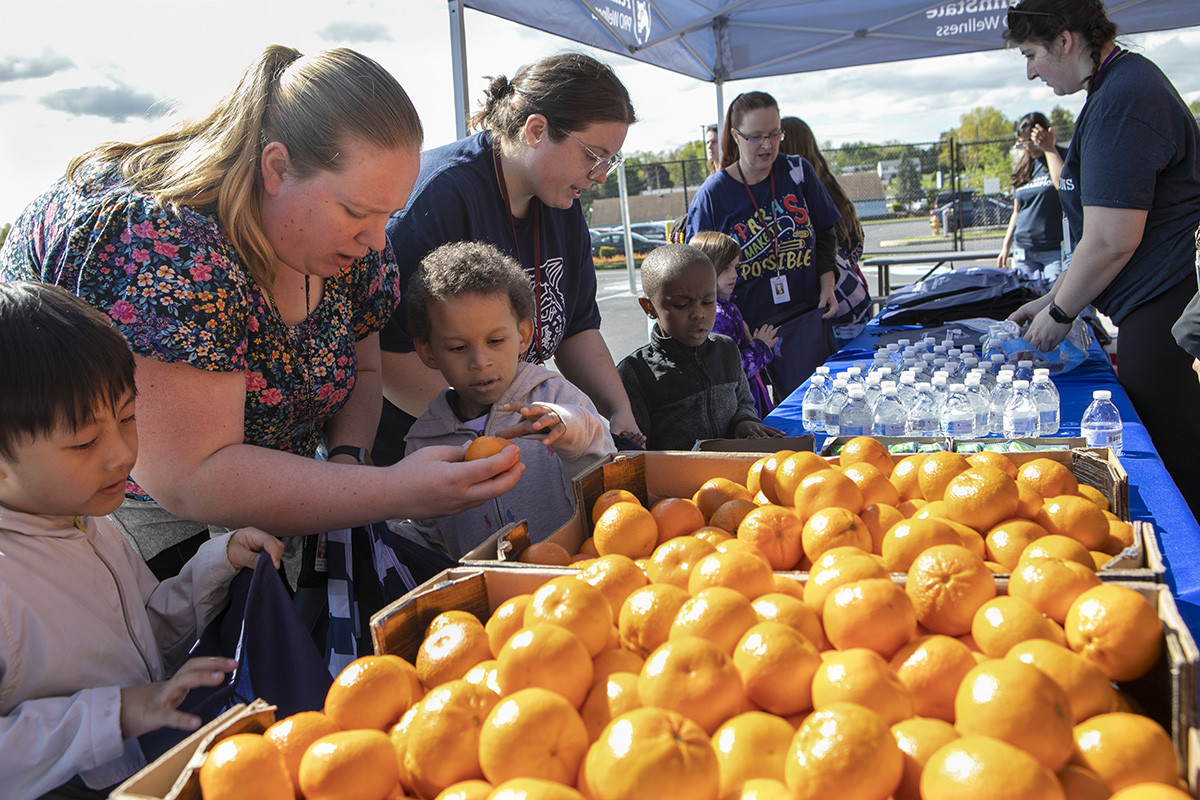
<point x="174" y="285"/>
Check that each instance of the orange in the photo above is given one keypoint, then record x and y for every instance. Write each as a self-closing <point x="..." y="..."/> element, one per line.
<point x="647" y="614"/>
<point x="455" y="643"/>
<point x="245" y="765"/>
<point x="1120" y="531"/>
<point x="879" y="518"/>
<point x="484" y="674"/>
<point x="1087" y="688"/>
<point x="748" y="573"/>
<point x="832" y="749"/>
<point x="1150" y="791"/>
<point x="984" y="768"/>
<point x="918" y="738"/>
<point x="909" y="508"/>
<point x="507" y="619"/>
<point x="615" y="659"/>
<point x="876" y="614"/>
<point x="1054" y="545"/>
<point x="1006" y="541"/>
<point x="751" y="745"/>
<point x="533" y="789"/>
<point x="835" y="554"/>
<point x="777" y="664"/>
<point x="349" y="765"/>
<point x="1003" y="621"/>
<point x="588" y="548"/>
<point x="792" y="470"/>
<point x="931" y="668"/>
<point x="990" y="458"/>
<point x="761" y="789"/>
<point x="861" y="676"/>
<point x="866" y="450"/>
<point x="764" y="477"/>
<point x="1082" y="784"/>
<point x="695" y="678"/>
<point x="729" y="515"/>
<point x="442" y="740"/>
<point x="548" y="656"/>
<point x="547" y="553"/>
<point x="292" y="736"/>
<point x="784" y="583"/>
<point x="1079" y="518"/>
<point x="399" y="737"/>
<point x="485" y="447"/>
<point x="904" y="477"/>
<point x="823" y="581"/>
<point x="936" y="472"/>
<point x="626" y="528"/>
<point x="466" y="790"/>
<point x="650" y="753"/>
<point x="981" y="497"/>
<point x="572" y="604"/>
<point x="1116" y="629"/>
<point x="719" y="614"/>
<point x="615" y="576"/>
<point x="609" y="498"/>
<point x="792" y="611"/>
<point x="947" y="584"/>
<point x="610" y="697"/>
<point x="713" y="535"/>
<point x="1019" y="704"/>
<point x="873" y="484"/>
<point x="532" y="733"/>
<point x="372" y="692"/>
<point x="934" y="509"/>
<point x="672" y="562"/>
<point x="833" y="527"/>
<point x="908" y="538"/>
<point x="740" y="545"/>
<point x="1125" y="749"/>
<point x="1095" y="495"/>
<point x="715" y="492"/>
<point x="754" y="476"/>
<point x="676" y="516"/>
<point x="1049" y="478"/>
<point x="1051" y="584"/>
<point x="826" y="488"/>
<point x="1030" y="501"/>
<point x="775" y="531"/>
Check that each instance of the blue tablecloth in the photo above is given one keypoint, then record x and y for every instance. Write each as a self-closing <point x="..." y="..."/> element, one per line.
<point x="1153" y="495"/>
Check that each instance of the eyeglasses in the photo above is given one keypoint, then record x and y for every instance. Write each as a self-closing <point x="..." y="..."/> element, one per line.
<point x="755" y="141"/>
<point x="603" y="166"/>
<point x="1024" y="143"/>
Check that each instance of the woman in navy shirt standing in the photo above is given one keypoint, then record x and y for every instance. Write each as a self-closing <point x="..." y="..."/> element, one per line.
<point x="1036" y="225"/>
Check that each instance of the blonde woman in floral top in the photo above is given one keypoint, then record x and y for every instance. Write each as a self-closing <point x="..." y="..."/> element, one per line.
<point x="243" y="256"/>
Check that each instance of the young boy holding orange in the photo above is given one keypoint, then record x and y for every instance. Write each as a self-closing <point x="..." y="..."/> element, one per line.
<point x="470" y="312"/>
<point x="88" y="636"/>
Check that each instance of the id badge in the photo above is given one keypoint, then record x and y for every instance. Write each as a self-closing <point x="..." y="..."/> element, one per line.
<point x="1018" y="254"/>
<point x="1068" y="246"/>
<point x="780" y="292"/>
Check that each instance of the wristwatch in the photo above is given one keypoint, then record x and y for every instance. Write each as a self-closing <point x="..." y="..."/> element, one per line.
<point x="1058" y="315"/>
<point x="360" y="454"/>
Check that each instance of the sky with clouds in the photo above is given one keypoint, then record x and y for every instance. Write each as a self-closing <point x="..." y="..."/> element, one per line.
<point x="74" y="73"/>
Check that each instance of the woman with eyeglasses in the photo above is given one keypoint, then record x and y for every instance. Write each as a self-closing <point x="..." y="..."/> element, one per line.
<point x="544" y="138"/>
<point x="1036" y="222"/>
<point x="783" y="220"/>
<point x="1130" y="190"/>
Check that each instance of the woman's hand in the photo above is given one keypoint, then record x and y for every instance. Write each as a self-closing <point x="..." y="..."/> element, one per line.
<point x="152" y="706"/>
<point x="828" y="300"/>
<point x="1042" y="138"/>
<point x="449" y="485"/>
<point x="1027" y="312"/>
<point x="246" y="543"/>
<point x="1043" y="332"/>
<point x="538" y="418"/>
<point x="767" y="335"/>
<point x="623" y="424"/>
<point x="1002" y="259"/>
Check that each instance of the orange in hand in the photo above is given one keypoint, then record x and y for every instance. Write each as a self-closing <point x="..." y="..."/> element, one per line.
<point x="485" y="447"/>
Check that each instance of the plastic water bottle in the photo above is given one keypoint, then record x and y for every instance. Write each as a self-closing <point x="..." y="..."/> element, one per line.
<point x="893" y="352"/>
<point x="854" y="377"/>
<point x="906" y="392"/>
<point x="1024" y="371"/>
<point x="1101" y="424"/>
<point x="958" y="415"/>
<point x="939" y="390"/>
<point x="923" y="418"/>
<point x="978" y="397"/>
<point x="1021" y="420"/>
<point x="812" y="406"/>
<point x="871" y="393"/>
<point x="996" y="361"/>
<point x="997" y="402"/>
<point x="833" y="406"/>
<point x="855" y="418"/>
<point x="890" y="417"/>
<point x="1045" y="396"/>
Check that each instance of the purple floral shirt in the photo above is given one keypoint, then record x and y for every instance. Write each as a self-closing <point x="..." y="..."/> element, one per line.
<point x="174" y="285"/>
<point x="755" y="353"/>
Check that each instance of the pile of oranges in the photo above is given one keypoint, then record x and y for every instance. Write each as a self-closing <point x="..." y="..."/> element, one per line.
<point x="676" y="663"/>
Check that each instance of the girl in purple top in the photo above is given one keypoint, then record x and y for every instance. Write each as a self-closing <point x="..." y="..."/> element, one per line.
<point x="757" y="348"/>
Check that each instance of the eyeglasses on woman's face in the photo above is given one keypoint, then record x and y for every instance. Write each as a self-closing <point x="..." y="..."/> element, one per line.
<point x="602" y="166"/>
<point x="756" y="141"/>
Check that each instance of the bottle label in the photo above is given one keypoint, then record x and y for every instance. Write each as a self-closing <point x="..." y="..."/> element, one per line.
<point x="1102" y="438"/>
<point x="854" y="430"/>
<point x="1020" y="427"/>
<point x="1049" y="419"/>
<point x="960" y="427"/>
<point x="894" y="429"/>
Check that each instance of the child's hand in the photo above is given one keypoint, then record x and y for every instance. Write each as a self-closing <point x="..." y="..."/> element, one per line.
<point x="246" y="543"/>
<point x="753" y="429"/>
<point x="538" y="419"/>
<point x="766" y="334"/>
<point x="152" y="706"/>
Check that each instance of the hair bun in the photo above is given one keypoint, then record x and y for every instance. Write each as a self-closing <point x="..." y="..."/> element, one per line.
<point x="500" y="88"/>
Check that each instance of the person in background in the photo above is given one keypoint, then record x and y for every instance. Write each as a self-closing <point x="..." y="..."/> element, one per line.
<point x="470" y="309"/>
<point x="688" y="383"/>
<point x="783" y="219"/>
<point x="243" y="256"/>
<point x="1130" y="189"/>
<point x="850" y="288"/>
<point x="757" y="349"/>
<point x="1036" y="222"/>
<point x="712" y="148"/>
<point x="91" y="644"/>
<point x="545" y="137"/>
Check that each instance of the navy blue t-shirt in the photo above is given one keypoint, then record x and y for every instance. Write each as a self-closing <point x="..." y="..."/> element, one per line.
<point x="457" y="198"/>
<point x="1039" y="213"/>
<point x="1135" y="146"/>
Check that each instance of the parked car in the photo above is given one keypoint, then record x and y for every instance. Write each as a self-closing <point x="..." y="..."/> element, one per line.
<point x="975" y="210"/>
<point x="651" y="230"/>
<point x="616" y="240"/>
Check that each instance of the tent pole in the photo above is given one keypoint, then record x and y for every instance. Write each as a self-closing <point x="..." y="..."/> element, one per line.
<point x="458" y="65"/>
<point x="720" y="113"/>
<point x="629" y="255"/>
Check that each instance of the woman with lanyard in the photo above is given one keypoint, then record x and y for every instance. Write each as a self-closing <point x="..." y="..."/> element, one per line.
<point x="1036" y="222"/>
<point x="783" y="219"/>
<point x="1130" y="189"/>
<point x="546" y="136"/>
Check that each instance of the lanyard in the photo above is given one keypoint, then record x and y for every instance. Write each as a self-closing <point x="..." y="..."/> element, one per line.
<point x="536" y="211"/>
<point x="774" y="213"/>
<point x="1108" y="59"/>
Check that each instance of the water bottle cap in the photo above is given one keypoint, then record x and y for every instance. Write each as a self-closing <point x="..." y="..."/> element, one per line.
<point x="904" y="342"/>
<point x="889" y="391"/>
<point x="893" y="347"/>
<point x="1102" y="394"/>
<point x="908" y="377"/>
<point x="874" y="377"/>
<point x="1004" y="377"/>
<point x="822" y="370"/>
<point x="958" y="387"/>
<point x="885" y="384"/>
<point x="1041" y="377"/>
<point x="939" y="380"/>
<point x="839" y="383"/>
<point x="856" y="391"/>
<point x="1023" y="364"/>
<point x="971" y="380"/>
<point x="970" y="348"/>
<point x="1020" y="384"/>
<point x="1007" y="368"/>
<point x="997" y="358"/>
<point x="923" y="386"/>
<point x="855" y="370"/>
